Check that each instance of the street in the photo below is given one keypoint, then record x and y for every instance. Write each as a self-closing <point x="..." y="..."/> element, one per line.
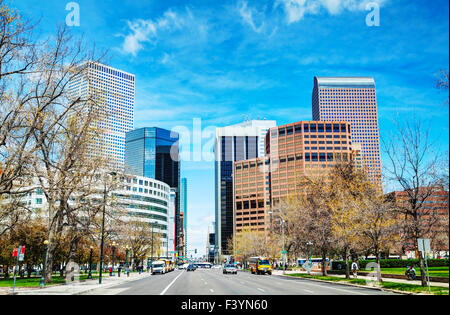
<point x="214" y="282"/>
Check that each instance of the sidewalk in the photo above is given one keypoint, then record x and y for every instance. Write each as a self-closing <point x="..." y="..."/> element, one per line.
<point x="79" y="288"/>
<point x="433" y="284"/>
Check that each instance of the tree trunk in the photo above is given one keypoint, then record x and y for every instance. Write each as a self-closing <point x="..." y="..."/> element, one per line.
<point x="324" y="263"/>
<point x="49" y="261"/>
<point x="347" y="266"/>
<point x="378" y="254"/>
<point x="423" y="275"/>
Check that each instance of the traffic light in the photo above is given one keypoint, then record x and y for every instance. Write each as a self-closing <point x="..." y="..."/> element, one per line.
<point x="196" y="251"/>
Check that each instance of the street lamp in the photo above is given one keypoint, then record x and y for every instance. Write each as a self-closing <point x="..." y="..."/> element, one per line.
<point x="309" y="244"/>
<point x="42" y="283"/>
<point x="284" y="251"/>
<point x="90" y="263"/>
<point x="152" y="249"/>
<point x="103" y="230"/>
<point x="127" y="249"/>
<point x="113" y="253"/>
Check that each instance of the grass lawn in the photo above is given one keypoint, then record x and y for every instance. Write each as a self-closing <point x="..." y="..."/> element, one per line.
<point x="387" y="285"/>
<point x="34" y="281"/>
<point x="434" y="271"/>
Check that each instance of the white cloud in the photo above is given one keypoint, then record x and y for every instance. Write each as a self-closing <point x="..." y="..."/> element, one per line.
<point x="146" y="31"/>
<point x="296" y="9"/>
<point x="247" y="15"/>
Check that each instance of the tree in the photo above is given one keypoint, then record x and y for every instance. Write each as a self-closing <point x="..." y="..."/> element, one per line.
<point x="142" y="239"/>
<point x="413" y="166"/>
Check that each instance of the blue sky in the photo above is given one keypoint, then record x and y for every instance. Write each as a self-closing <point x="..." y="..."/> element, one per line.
<point x="222" y="60"/>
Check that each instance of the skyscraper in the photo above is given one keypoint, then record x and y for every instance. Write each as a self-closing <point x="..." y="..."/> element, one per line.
<point x="233" y="143"/>
<point x="293" y="151"/>
<point x="115" y="90"/>
<point x="154" y="153"/>
<point x="352" y="99"/>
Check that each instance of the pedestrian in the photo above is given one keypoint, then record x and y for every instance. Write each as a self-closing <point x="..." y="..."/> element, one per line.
<point x="128" y="271"/>
<point x="119" y="270"/>
<point x="355" y="269"/>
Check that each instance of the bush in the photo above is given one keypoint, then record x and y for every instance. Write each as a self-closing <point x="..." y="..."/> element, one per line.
<point x="393" y="263"/>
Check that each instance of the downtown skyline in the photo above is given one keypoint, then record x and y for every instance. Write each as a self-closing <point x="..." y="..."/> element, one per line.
<point x="249" y="59"/>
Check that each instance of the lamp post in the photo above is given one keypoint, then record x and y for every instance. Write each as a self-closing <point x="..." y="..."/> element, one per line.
<point x="103" y="231"/>
<point x="42" y="282"/>
<point x="284" y="251"/>
<point x="152" y="249"/>
<point x="127" y="249"/>
<point x="90" y="263"/>
<point x="113" y="254"/>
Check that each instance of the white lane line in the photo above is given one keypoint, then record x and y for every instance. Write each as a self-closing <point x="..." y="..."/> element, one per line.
<point x="173" y="281"/>
<point x="212" y="291"/>
<point x="328" y="287"/>
<point x="261" y="290"/>
<point x="309" y="291"/>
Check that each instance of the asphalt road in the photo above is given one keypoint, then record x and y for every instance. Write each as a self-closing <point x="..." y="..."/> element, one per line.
<point x="214" y="282"/>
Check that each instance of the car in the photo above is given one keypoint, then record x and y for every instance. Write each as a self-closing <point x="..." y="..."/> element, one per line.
<point x="230" y="269"/>
<point x="159" y="267"/>
<point x="216" y="266"/>
<point x="190" y="268"/>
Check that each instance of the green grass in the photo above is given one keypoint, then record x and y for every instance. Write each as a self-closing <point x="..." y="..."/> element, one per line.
<point x="34" y="281"/>
<point x="433" y="271"/>
<point x="387" y="285"/>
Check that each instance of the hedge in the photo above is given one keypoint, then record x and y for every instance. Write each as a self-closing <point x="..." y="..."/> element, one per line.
<point x="393" y="263"/>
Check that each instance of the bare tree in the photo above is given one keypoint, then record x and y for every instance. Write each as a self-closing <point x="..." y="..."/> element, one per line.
<point x="414" y="162"/>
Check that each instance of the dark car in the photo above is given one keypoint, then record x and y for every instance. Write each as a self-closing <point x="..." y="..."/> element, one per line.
<point x="190" y="268"/>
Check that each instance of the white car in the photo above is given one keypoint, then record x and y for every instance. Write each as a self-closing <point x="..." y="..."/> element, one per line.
<point x="159" y="267"/>
<point x="216" y="266"/>
<point x="230" y="269"/>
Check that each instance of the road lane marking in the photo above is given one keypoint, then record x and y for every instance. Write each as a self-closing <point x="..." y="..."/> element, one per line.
<point x="327" y="287"/>
<point x="173" y="281"/>
<point x="309" y="291"/>
<point x="261" y="290"/>
<point x="212" y="291"/>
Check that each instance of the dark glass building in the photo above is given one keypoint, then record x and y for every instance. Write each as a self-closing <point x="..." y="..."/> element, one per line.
<point x="154" y="153"/>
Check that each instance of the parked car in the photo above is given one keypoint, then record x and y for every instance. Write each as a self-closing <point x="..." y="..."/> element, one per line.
<point x="229" y="269"/>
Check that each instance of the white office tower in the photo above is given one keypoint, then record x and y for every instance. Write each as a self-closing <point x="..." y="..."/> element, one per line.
<point x="234" y="143"/>
<point x="113" y="90"/>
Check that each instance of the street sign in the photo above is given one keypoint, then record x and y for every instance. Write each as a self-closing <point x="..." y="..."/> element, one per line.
<point x="15" y="252"/>
<point x="284" y="252"/>
<point x="22" y="253"/>
<point x="424" y="245"/>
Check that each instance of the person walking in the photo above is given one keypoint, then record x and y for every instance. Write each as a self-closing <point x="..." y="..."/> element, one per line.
<point x="355" y="269"/>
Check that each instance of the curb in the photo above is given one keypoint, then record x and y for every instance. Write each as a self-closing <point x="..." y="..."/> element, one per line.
<point x="355" y="285"/>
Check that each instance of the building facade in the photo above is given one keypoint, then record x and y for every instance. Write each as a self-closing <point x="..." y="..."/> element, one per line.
<point x="115" y="91"/>
<point x="139" y="198"/>
<point x="352" y="99"/>
<point x="233" y="143"/>
<point x="154" y="153"/>
<point x="293" y="151"/>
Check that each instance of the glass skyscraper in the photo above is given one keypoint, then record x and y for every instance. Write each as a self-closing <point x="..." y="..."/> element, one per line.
<point x="153" y="152"/>
<point x="115" y="91"/>
<point x="233" y="143"/>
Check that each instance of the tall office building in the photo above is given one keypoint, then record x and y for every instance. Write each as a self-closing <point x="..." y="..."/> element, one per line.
<point x="233" y="143"/>
<point x="183" y="209"/>
<point x="352" y="99"/>
<point x="306" y="148"/>
<point x="115" y="91"/>
<point x="154" y="153"/>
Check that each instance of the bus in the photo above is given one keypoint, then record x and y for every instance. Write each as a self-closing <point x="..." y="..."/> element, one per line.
<point x="260" y="265"/>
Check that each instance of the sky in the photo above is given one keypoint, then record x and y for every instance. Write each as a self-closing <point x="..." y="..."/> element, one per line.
<point x="210" y="64"/>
